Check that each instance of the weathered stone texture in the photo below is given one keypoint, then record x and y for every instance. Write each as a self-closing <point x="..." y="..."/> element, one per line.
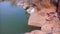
<point x="51" y="27"/>
<point x="37" y="32"/>
<point x="40" y="18"/>
<point x="47" y="19"/>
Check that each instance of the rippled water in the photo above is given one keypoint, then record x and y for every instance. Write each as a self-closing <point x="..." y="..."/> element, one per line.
<point x="13" y="19"/>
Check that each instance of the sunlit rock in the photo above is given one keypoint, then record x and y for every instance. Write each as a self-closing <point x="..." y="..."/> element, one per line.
<point x="51" y="27"/>
<point x="47" y="27"/>
<point x="56" y="29"/>
<point x="37" y="32"/>
<point x="56" y="33"/>
<point x="39" y="18"/>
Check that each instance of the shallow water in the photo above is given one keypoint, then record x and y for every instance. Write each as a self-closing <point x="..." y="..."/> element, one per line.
<point x="13" y="19"/>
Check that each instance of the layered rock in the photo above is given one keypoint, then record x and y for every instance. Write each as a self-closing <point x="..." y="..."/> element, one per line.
<point x="39" y="19"/>
<point x="46" y="18"/>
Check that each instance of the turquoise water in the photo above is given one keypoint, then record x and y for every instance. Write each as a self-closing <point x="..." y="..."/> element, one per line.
<point x="13" y="19"/>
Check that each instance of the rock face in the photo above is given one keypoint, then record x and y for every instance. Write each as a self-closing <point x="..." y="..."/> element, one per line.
<point x="47" y="19"/>
<point x="39" y="19"/>
<point x="48" y="22"/>
<point x="59" y="9"/>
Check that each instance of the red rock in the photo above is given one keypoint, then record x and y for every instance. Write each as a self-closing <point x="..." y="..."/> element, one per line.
<point x="56" y="29"/>
<point x="37" y="32"/>
<point x="47" y="28"/>
<point x="51" y="27"/>
<point x="38" y="19"/>
<point x="56" y="33"/>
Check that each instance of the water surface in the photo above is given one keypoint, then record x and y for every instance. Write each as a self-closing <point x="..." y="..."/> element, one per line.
<point x="12" y="19"/>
